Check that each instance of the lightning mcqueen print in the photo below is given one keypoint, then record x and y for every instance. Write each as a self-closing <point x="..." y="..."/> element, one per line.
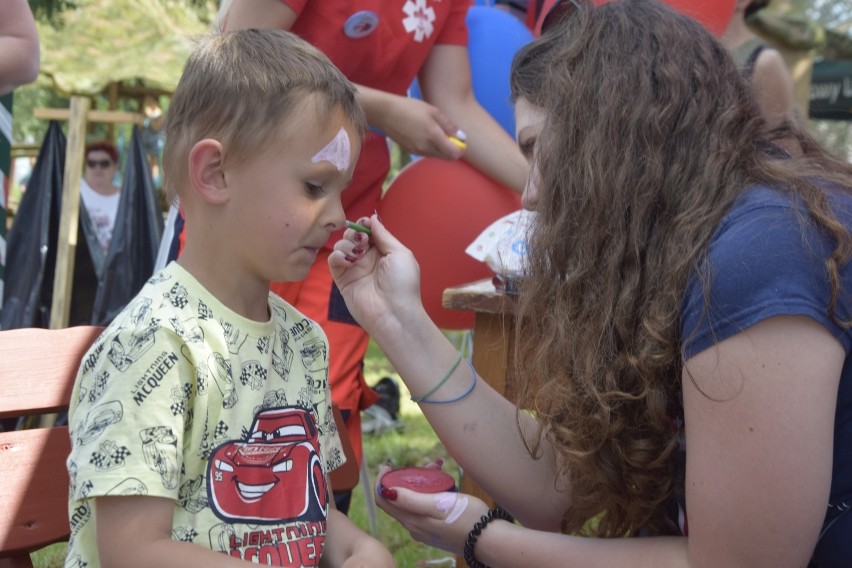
<point x="275" y="476"/>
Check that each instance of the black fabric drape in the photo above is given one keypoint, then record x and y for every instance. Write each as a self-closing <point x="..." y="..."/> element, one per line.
<point x="31" y="246"/>
<point x="102" y="283"/>
<point x="135" y="240"/>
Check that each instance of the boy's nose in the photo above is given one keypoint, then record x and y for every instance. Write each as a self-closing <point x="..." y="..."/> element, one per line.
<point x="336" y="219"/>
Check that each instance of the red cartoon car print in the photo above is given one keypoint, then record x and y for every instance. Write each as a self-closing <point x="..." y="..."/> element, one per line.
<point x="275" y="476"/>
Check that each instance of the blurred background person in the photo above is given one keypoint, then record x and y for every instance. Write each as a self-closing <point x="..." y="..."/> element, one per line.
<point x="98" y="191"/>
<point x="761" y="64"/>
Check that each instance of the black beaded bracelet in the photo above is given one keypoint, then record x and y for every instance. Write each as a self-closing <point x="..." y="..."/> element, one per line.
<point x="495" y="513"/>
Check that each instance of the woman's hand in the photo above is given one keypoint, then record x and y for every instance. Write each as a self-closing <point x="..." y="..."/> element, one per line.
<point x="378" y="277"/>
<point x="420" y="128"/>
<point x="442" y="520"/>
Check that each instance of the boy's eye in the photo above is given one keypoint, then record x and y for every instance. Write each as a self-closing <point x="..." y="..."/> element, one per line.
<point x="313" y="188"/>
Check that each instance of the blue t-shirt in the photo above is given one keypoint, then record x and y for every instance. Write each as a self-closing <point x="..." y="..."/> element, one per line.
<point x="765" y="261"/>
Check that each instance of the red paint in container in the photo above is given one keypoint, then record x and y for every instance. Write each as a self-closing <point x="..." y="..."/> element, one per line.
<point x="420" y="479"/>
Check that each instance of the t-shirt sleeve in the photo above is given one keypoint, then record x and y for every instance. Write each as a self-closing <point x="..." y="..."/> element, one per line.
<point x="127" y="418"/>
<point x="760" y="264"/>
<point x="454" y="31"/>
<point x="330" y="445"/>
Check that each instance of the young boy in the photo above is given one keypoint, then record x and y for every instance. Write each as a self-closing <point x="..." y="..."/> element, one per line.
<point x="201" y="419"/>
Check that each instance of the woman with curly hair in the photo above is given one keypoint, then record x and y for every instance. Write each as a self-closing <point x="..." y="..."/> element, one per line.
<point x="682" y="335"/>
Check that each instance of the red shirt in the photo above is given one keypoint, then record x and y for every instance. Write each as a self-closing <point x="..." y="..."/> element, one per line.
<point x="380" y="44"/>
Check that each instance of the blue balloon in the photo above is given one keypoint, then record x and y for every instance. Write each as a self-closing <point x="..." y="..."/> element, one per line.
<point x="494" y="38"/>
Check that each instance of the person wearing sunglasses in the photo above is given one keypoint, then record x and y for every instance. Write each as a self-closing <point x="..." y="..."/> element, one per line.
<point x="681" y="369"/>
<point x="97" y="190"/>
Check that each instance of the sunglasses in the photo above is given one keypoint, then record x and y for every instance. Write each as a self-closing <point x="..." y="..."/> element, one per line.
<point x="99" y="163"/>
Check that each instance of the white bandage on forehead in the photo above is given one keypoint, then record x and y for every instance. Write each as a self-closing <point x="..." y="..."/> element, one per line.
<point x="337" y="152"/>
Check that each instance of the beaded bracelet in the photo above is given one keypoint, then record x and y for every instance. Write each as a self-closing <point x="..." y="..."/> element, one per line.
<point x="459" y="397"/>
<point x="495" y="513"/>
<point x="440" y="383"/>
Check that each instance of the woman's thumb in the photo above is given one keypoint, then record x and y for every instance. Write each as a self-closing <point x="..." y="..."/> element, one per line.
<point x="382" y="238"/>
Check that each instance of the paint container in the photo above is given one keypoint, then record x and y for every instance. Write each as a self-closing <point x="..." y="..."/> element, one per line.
<point x="420" y="479"/>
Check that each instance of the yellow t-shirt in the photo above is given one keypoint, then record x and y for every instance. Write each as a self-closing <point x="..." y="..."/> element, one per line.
<point x="230" y="418"/>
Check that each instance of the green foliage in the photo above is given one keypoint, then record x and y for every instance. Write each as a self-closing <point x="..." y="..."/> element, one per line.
<point x="47" y="10"/>
<point x="25" y="127"/>
<point x="415" y="444"/>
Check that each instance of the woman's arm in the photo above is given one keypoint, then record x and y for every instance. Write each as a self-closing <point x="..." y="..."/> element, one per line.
<point x="417" y="126"/>
<point x="759" y="425"/>
<point x="19" y="46"/>
<point x="480" y="431"/>
<point x="759" y="411"/>
<point x="446" y="83"/>
<point x="773" y="86"/>
<point x="260" y="14"/>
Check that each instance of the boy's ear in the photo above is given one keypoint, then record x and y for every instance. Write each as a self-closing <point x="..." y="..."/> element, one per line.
<point x="205" y="171"/>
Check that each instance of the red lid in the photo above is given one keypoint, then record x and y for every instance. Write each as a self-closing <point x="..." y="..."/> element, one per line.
<point x="420" y="479"/>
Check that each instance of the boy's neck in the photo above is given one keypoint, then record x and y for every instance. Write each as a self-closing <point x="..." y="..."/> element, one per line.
<point x="247" y="297"/>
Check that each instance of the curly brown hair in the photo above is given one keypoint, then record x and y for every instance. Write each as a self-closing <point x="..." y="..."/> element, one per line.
<point x="651" y="134"/>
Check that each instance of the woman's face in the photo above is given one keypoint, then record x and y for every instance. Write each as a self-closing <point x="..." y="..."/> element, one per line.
<point x="100" y="169"/>
<point x="529" y="120"/>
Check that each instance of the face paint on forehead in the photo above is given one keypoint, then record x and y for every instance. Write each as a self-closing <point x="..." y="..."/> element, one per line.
<point x="337" y="152"/>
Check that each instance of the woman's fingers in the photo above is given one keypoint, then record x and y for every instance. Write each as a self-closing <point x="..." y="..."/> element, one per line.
<point x="447" y="505"/>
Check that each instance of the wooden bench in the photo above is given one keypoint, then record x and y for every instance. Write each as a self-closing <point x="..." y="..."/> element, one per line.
<point x="37" y="370"/>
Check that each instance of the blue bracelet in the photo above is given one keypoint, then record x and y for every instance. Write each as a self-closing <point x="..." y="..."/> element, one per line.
<point x="459" y="397"/>
<point x="443" y="380"/>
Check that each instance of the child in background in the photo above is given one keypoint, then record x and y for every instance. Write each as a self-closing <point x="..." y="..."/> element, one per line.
<point x="763" y="65"/>
<point x="201" y="419"/>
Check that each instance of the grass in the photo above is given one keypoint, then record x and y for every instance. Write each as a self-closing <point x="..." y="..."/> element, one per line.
<point x="413" y="444"/>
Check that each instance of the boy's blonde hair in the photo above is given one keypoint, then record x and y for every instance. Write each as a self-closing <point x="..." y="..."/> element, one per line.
<point x="238" y="87"/>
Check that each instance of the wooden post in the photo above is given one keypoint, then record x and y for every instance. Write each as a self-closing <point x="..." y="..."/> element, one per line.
<point x="78" y="117"/>
<point x="70" y="216"/>
<point x="112" y="98"/>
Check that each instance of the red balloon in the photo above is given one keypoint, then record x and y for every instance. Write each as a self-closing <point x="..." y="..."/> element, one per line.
<point x="437" y="208"/>
<point x="715" y="15"/>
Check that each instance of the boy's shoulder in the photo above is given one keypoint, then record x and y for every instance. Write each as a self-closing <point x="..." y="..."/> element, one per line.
<point x="151" y="312"/>
<point x="296" y="324"/>
<point x="163" y="292"/>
